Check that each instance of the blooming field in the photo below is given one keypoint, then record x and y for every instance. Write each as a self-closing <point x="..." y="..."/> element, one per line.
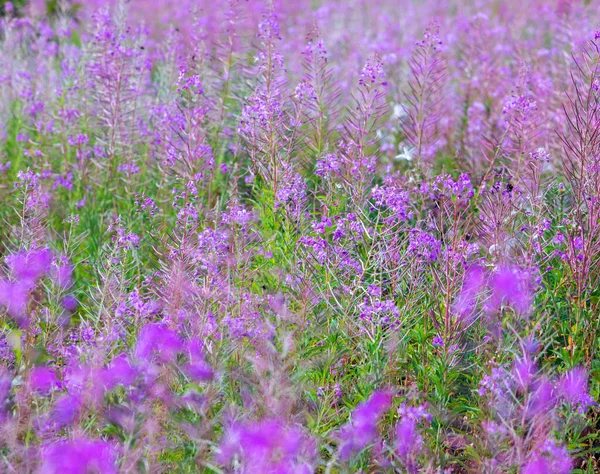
<point x="309" y="236"/>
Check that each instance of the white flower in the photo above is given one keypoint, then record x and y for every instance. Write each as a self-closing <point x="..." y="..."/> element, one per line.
<point x="406" y="154"/>
<point x="399" y="111"/>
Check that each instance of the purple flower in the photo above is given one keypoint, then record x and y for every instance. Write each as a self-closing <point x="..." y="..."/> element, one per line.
<point x="69" y="303"/>
<point x="537" y="466"/>
<point x="513" y="286"/>
<point x="66" y="410"/>
<point x="28" y="267"/>
<point x="63" y="275"/>
<point x="197" y="369"/>
<point x="407" y="437"/>
<point x="268" y="446"/>
<point x="292" y="191"/>
<point x="559" y="457"/>
<point x="78" y="140"/>
<point x="305" y="92"/>
<point x="372" y="72"/>
<point x="523" y="373"/>
<point x="362" y="430"/>
<point x="379" y="311"/>
<point x="14" y="297"/>
<point x="409" y="442"/>
<point x="438" y="342"/>
<point x="425" y="247"/>
<point x="78" y="456"/>
<point x="5" y="386"/>
<point x="328" y="166"/>
<point x="473" y="285"/>
<point x="157" y="341"/>
<point x="542" y="399"/>
<point x="573" y="388"/>
<point x="551" y="459"/>
<point x="397" y="200"/>
<point x="119" y="372"/>
<point x="42" y="379"/>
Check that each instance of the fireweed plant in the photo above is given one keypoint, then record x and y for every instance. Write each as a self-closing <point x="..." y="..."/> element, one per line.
<point x="311" y="236"/>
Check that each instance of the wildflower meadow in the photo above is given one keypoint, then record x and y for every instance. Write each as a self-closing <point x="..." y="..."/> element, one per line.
<point x="299" y="236"/>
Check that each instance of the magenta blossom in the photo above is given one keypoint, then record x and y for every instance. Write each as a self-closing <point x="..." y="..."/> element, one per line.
<point x="28" y="267"/>
<point x="42" y="379"/>
<point x="573" y="388"/>
<point x="78" y="456"/>
<point x="157" y="341"/>
<point x="362" y="430"/>
<point x="268" y="447"/>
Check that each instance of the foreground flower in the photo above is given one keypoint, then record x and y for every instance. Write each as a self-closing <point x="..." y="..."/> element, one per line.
<point x="78" y="456"/>
<point x="268" y="446"/>
<point x="362" y="430"/>
<point x="573" y="388"/>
